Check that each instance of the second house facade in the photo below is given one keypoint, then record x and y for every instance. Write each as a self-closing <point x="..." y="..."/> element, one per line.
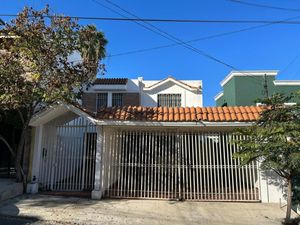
<point x="242" y="88"/>
<point x="169" y="92"/>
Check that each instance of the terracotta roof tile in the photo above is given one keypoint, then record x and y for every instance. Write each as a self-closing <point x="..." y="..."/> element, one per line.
<point x="199" y="113"/>
<point x="160" y="114"/>
<point x="216" y="117"/>
<point x="165" y="114"/>
<point x="227" y="117"/>
<point x="193" y="114"/>
<point x="181" y="114"/>
<point x="176" y="114"/>
<point x="187" y="114"/>
<point x="210" y="117"/>
<point x="222" y="117"/>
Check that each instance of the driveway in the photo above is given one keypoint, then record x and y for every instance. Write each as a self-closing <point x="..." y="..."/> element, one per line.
<point x="70" y="210"/>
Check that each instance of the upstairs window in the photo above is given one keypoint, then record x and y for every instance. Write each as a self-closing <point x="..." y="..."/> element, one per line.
<point x="169" y="100"/>
<point x="117" y="99"/>
<point x="101" y="100"/>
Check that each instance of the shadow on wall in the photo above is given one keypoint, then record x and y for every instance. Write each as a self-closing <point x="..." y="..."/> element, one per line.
<point x="275" y="185"/>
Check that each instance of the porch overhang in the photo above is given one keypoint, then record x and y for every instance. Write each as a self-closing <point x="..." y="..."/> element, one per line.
<point x="56" y="110"/>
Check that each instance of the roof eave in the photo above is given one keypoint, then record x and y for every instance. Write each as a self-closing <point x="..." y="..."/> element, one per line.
<point x="219" y="95"/>
<point x="180" y="83"/>
<point x="248" y="73"/>
<point x="55" y="110"/>
<point x="173" y="124"/>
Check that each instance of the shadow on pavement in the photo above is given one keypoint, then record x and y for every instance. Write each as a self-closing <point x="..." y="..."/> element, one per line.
<point x="17" y="220"/>
<point x="294" y="221"/>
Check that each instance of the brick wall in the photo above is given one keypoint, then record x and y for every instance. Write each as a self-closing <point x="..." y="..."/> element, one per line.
<point x="131" y="99"/>
<point x="89" y="101"/>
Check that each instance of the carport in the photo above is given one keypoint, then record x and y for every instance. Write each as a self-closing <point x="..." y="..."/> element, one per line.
<point x="149" y="153"/>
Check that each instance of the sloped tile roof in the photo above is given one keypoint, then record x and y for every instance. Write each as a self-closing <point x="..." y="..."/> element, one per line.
<point x="111" y="81"/>
<point x="181" y="114"/>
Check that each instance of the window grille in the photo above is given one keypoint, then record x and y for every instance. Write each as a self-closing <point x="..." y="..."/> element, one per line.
<point x="117" y="99"/>
<point x="101" y="100"/>
<point x="169" y="100"/>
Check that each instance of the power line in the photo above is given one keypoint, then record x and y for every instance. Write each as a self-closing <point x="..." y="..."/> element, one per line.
<point x="264" y="6"/>
<point x="164" y="20"/>
<point x="201" y="38"/>
<point x="290" y="63"/>
<point x="172" y="38"/>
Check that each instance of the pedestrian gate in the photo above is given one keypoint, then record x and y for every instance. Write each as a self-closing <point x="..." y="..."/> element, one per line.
<point x="189" y="165"/>
<point x="68" y="156"/>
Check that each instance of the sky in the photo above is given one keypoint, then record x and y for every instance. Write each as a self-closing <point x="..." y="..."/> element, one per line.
<point x="271" y="47"/>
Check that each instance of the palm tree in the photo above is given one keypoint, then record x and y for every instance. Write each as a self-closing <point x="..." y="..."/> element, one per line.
<point x="92" y="47"/>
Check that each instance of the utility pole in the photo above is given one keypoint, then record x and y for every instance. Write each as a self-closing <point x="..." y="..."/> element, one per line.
<point x="266" y="86"/>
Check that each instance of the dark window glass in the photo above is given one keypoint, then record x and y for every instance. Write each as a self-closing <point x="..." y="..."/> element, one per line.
<point x="101" y="100"/>
<point x="117" y="99"/>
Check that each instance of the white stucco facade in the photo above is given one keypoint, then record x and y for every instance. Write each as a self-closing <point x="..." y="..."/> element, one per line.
<point x="190" y="90"/>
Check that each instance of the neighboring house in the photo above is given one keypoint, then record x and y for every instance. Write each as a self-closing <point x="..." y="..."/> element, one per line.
<point x="147" y="152"/>
<point x="169" y="92"/>
<point x="242" y="88"/>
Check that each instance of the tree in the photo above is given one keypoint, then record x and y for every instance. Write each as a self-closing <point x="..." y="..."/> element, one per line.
<point x="36" y="70"/>
<point x="274" y="141"/>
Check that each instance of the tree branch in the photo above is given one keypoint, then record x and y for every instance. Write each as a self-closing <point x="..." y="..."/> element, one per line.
<point x="21" y="116"/>
<point x="8" y="146"/>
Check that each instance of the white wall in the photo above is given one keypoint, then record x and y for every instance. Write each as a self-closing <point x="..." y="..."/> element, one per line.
<point x="188" y="98"/>
<point x="271" y="187"/>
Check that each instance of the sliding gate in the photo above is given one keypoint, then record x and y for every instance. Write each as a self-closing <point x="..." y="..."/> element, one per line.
<point x="175" y="165"/>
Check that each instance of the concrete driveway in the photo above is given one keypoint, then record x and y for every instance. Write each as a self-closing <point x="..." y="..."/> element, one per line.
<point x="71" y="210"/>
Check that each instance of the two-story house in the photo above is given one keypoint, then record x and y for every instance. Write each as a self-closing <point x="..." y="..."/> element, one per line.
<point x="169" y="92"/>
<point x="161" y="144"/>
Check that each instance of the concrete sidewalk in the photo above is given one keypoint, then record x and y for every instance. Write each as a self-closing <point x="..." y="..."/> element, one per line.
<point x="71" y="210"/>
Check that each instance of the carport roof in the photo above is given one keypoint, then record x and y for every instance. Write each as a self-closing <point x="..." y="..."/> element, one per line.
<point x="153" y="114"/>
<point x="180" y="114"/>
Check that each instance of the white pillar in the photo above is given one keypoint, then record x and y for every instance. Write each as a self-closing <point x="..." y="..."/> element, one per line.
<point x="183" y="103"/>
<point x="109" y="99"/>
<point x="32" y="187"/>
<point x="97" y="192"/>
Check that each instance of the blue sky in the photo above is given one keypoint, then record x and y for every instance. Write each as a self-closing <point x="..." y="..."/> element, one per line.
<point x="272" y="47"/>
